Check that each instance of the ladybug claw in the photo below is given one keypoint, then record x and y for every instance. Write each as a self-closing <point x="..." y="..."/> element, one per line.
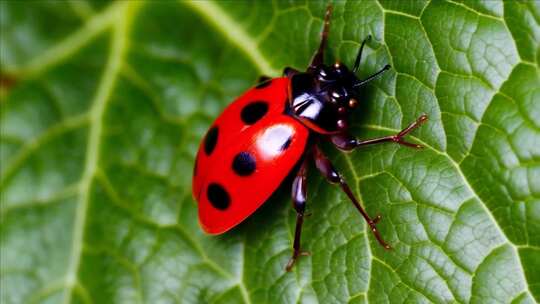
<point x="290" y="264"/>
<point x="398" y="138"/>
<point x="372" y="225"/>
<point x="293" y="259"/>
<point x="423" y="118"/>
<point x="410" y="145"/>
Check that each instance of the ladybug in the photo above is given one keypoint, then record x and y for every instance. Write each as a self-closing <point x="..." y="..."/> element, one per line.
<point x="273" y="130"/>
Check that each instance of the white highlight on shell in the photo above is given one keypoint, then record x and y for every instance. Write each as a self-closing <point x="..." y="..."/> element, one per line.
<point x="270" y="143"/>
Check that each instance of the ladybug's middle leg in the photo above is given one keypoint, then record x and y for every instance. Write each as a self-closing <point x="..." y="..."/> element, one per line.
<point x="327" y="169"/>
<point x="299" y="197"/>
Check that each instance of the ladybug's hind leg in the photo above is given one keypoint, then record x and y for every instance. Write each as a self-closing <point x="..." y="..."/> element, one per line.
<point x="299" y="197"/>
<point x="327" y="169"/>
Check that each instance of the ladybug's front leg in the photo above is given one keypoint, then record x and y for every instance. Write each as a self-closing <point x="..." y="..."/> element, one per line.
<point x="318" y="57"/>
<point x="299" y="197"/>
<point x="327" y="169"/>
<point x="348" y="143"/>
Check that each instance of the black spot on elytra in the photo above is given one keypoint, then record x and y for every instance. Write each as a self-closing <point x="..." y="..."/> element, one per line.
<point x="218" y="196"/>
<point x="286" y="144"/>
<point x="243" y="164"/>
<point x="264" y="81"/>
<point x="254" y="111"/>
<point x="210" y="140"/>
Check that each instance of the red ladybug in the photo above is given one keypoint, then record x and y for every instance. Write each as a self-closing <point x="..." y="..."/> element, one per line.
<point x="275" y="128"/>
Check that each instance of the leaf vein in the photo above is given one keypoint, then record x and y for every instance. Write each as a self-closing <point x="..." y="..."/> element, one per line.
<point x="118" y="47"/>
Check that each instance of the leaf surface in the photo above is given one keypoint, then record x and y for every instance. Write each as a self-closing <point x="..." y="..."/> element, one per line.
<point x="103" y="107"/>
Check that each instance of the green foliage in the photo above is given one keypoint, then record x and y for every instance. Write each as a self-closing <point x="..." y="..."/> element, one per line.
<point x="103" y="106"/>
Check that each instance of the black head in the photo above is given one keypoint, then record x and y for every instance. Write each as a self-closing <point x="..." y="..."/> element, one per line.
<point x="323" y="97"/>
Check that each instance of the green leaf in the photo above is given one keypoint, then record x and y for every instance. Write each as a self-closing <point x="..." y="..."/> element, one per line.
<point x="104" y="104"/>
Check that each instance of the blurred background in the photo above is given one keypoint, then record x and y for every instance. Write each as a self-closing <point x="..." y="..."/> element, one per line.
<point x="103" y="105"/>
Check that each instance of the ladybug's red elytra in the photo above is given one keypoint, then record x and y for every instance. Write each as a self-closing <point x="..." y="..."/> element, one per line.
<point x="275" y="128"/>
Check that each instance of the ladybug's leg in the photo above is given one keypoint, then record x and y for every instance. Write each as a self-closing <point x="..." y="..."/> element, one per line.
<point x="327" y="169"/>
<point x="299" y="196"/>
<point x="318" y="58"/>
<point x="262" y="78"/>
<point x="290" y="72"/>
<point x="348" y="143"/>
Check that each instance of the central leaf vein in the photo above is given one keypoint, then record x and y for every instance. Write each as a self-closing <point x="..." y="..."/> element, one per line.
<point x="118" y="47"/>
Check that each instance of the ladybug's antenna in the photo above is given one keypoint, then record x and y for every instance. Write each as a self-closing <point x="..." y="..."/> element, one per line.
<point x="359" y="56"/>
<point x="370" y="78"/>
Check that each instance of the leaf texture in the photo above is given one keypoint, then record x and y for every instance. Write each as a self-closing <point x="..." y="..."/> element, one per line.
<point x="104" y="104"/>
